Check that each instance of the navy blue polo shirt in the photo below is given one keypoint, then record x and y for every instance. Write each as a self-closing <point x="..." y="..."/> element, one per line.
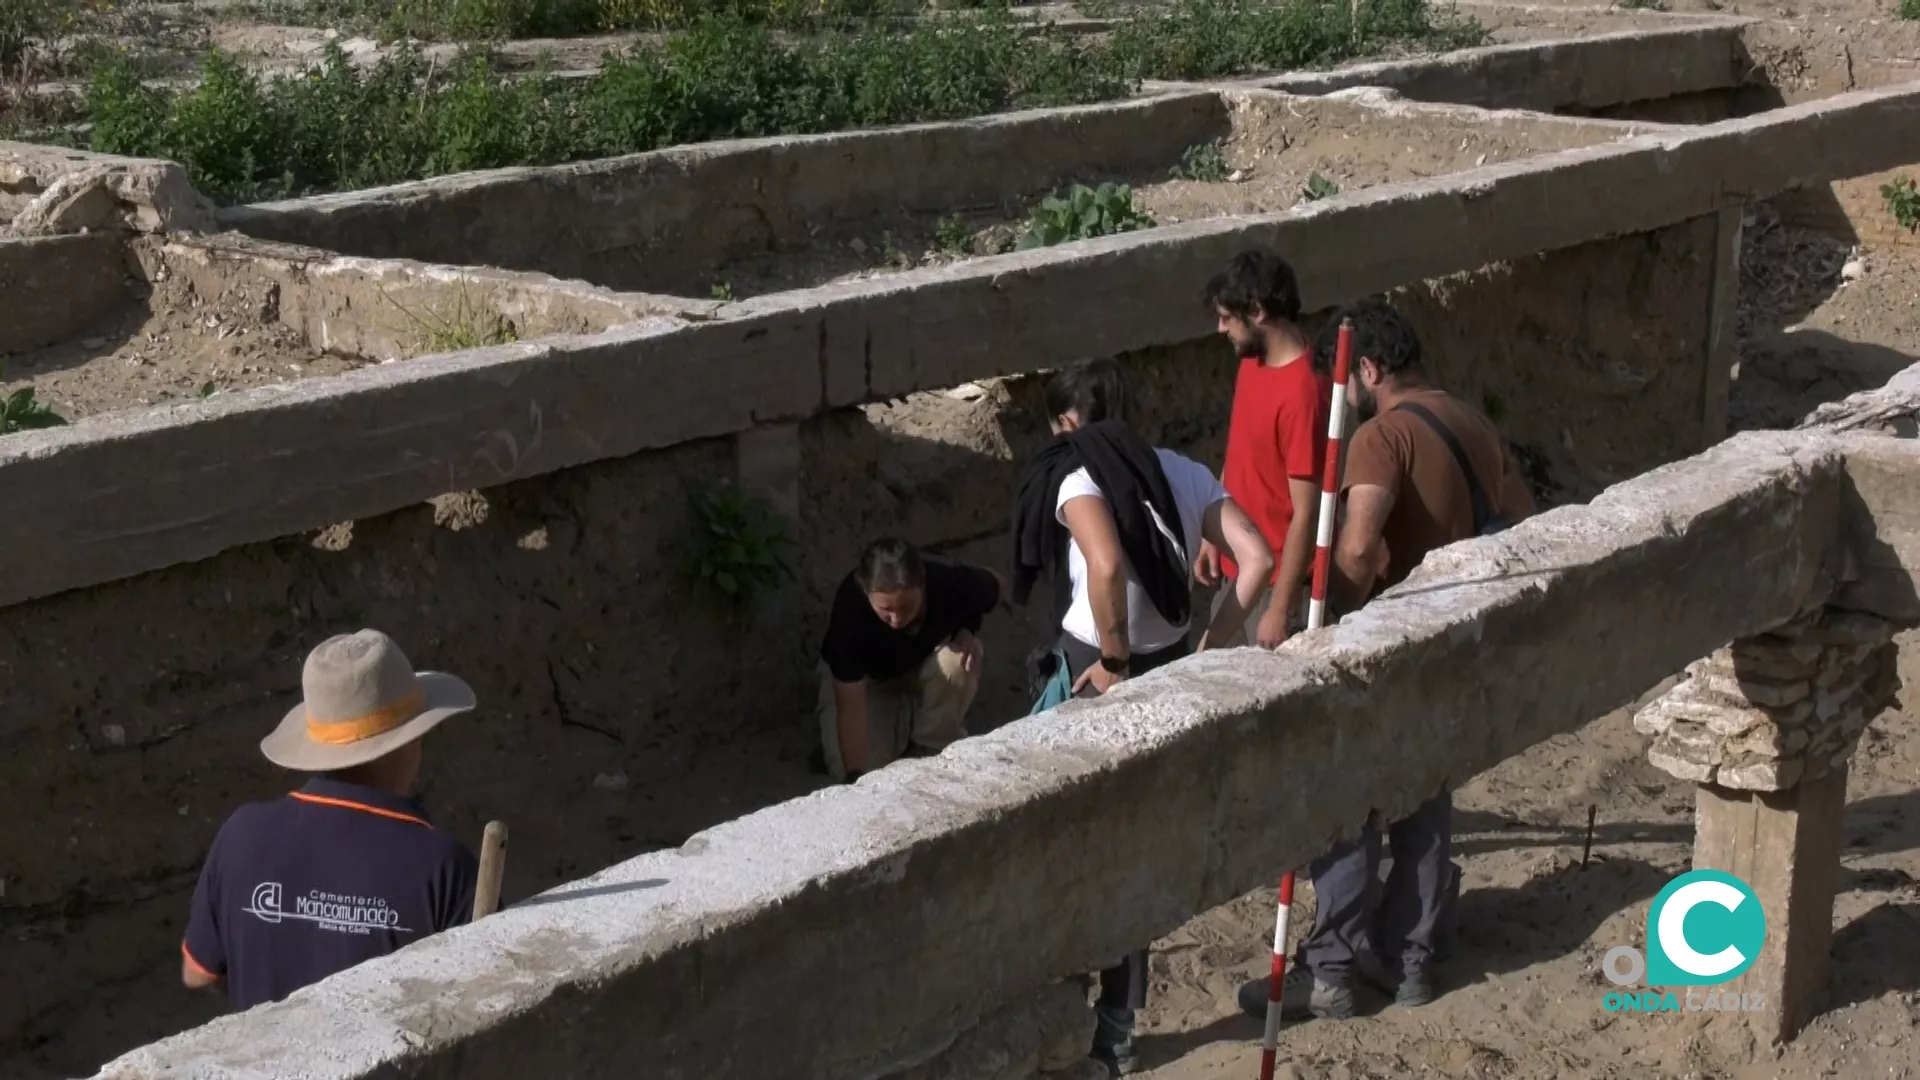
<point x="311" y="884"/>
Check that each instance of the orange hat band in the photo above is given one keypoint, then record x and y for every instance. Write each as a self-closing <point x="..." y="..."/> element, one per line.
<point x="367" y="725"/>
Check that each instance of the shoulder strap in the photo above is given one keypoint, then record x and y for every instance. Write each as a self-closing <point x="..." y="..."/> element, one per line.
<point x="1482" y="511"/>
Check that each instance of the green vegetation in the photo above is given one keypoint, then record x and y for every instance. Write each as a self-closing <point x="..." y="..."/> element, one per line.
<point x="951" y="235"/>
<point x="20" y="412"/>
<point x="1204" y="162"/>
<point x="492" y="20"/>
<point x="466" y="326"/>
<point x="1903" y="202"/>
<point x="738" y="546"/>
<point x="1908" y="9"/>
<point x="1318" y="187"/>
<point x="1082" y="213"/>
<point x="244" y="138"/>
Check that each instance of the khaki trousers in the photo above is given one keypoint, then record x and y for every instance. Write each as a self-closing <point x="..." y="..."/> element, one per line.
<point x="923" y="710"/>
<point x="1295" y="624"/>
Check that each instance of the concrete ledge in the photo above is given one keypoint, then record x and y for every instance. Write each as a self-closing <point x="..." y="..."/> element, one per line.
<point x="118" y="495"/>
<point x="1061" y="841"/>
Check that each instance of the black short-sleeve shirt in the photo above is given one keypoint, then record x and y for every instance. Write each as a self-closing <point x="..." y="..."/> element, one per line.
<point x="297" y="889"/>
<point x="859" y="646"/>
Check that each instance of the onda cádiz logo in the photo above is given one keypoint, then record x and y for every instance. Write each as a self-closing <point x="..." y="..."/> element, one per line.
<point x="1705" y="928"/>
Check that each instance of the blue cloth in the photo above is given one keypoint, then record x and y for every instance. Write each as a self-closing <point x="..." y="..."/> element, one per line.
<point x="297" y="889"/>
<point x="1059" y="685"/>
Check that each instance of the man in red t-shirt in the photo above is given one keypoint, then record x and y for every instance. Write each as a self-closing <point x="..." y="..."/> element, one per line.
<point x="1277" y="437"/>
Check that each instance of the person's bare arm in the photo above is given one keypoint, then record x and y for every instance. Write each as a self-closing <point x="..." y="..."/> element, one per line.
<point x="1296" y="559"/>
<point x="1091" y="522"/>
<point x="1227" y="526"/>
<point x="850" y="708"/>
<point x="194" y="977"/>
<point x="1356" y="561"/>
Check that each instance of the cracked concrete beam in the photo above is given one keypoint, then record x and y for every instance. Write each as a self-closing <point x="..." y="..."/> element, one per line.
<point x="1060" y="841"/>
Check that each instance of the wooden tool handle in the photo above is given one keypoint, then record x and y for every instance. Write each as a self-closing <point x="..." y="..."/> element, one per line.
<point x="493" y="863"/>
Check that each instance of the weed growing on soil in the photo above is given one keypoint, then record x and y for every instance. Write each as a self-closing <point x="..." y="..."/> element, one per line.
<point x="467" y="326"/>
<point x="244" y="138"/>
<point x="951" y="235"/>
<point x="738" y="546"/>
<point x="20" y="412"/>
<point x="1205" y="163"/>
<point x="1318" y="187"/>
<point x="1195" y="39"/>
<point x="1083" y="213"/>
<point x="494" y="20"/>
<point x="1641" y="5"/>
<point x="1903" y="200"/>
<point x="1908" y="9"/>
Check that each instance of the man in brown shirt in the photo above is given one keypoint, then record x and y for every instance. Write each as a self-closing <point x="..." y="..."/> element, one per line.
<point x="1424" y="470"/>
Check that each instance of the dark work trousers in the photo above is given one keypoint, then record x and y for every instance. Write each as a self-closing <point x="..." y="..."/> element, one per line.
<point x="1398" y="921"/>
<point x="1123" y="987"/>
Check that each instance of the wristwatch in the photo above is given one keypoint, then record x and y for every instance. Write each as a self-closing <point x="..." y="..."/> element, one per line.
<point x="1116" y="665"/>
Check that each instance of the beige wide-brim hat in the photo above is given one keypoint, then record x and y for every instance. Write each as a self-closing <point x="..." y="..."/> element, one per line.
<point x="363" y="701"/>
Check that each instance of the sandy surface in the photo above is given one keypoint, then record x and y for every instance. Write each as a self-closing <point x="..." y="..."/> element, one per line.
<point x="170" y="348"/>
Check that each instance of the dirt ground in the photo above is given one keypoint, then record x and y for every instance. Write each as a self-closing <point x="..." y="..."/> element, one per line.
<point x="173" y="347"/>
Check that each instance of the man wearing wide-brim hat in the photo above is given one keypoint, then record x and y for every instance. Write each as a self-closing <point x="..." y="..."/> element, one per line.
<point x="347" y="868"/>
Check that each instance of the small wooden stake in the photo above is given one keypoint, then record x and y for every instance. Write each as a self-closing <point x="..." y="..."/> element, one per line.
<point x="1587" y="849"/>
<point x="493" y="863"/>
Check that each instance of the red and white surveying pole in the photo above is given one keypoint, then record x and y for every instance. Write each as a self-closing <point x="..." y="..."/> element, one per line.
<point x="1316" y="618"/>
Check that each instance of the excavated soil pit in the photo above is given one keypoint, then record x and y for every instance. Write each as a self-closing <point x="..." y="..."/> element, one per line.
<point x="1279" y="152"/>
<point x="203" y="317"/>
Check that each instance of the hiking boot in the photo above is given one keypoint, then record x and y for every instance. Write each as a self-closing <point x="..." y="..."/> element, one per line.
<point x="1302" y="997"/>
<point x="1416" y="988"/>
<point x="1412" y="988"/>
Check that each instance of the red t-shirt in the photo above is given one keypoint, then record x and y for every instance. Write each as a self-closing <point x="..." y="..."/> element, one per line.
<point x="1278" y="431"/>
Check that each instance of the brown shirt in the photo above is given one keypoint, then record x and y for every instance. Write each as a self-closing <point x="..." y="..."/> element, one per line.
<point x="1399" y="451"/>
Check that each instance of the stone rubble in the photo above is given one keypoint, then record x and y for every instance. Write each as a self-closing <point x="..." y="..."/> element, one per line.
<point x="1771" y="711"/>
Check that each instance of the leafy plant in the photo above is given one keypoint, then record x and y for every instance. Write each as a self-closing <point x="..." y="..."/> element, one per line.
<point x="722" y="73"/>
<point x="1641" y="5"/>
<point x="1083" y="213"/>
<point x="951" y="235"/>
<point x="722" y="292"/>
<point x="1318" y="187"/>
<point x="1205" y="163"/>
<point x="738" y="545"/>
<point x="1903" y="200"/>
<point x="1908" y="9"/>
<point x="20" y="412"/>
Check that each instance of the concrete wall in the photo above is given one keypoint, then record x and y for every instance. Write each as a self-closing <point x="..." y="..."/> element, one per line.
<point x="637" y="221"/>
<point x="59" y="287"/>
<point x="383" y="309"/>
<point x="365" y="443"/>
<point x="1588" y="73"/>
<point x="1063" y="840"/>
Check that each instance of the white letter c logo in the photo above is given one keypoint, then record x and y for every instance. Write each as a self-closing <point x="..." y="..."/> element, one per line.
<point x="1673" y="935"/>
